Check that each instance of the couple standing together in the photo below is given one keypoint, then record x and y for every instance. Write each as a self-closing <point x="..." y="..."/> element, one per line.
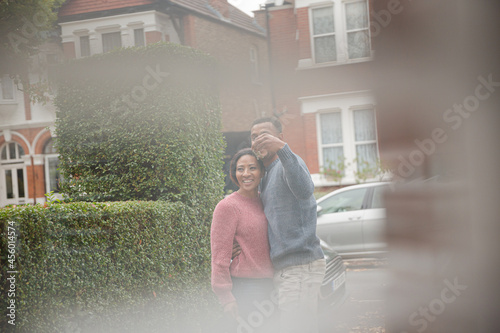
<point x="272" y="281"/>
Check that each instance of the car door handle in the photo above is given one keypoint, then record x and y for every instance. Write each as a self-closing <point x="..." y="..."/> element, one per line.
<point x="355" y="218"/>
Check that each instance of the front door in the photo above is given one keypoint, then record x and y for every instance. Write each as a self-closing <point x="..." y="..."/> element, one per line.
<point x="13" y="182"/>
<point x="13" y="185"/>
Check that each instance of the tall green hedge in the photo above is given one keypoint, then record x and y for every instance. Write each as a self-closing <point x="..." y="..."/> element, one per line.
<point x="141" y="124"/>
<point x="106" y="267"/>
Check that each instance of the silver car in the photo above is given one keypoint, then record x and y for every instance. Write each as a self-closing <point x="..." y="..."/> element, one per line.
<point x="352" y="219"/>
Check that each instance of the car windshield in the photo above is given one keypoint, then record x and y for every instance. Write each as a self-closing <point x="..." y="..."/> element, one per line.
<point x="343" y="202"/>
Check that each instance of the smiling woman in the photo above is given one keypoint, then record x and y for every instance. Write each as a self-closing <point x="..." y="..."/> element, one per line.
<point x="246" y="172"/>
<point x="245" y="280"/>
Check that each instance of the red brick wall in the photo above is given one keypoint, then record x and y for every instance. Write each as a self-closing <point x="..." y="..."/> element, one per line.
<point x="304" y="33"/>
<point x="189" y="30"/>
<point x="27" y="105"/>
<point x="311" y="143"/>
<point x="221" y="6"/>
<point x="231" y="48"/>
<point x="36" y="181"/>
<point x="69" y="50"/>
<point x="42" y="140"/>
<point x="153" y="37"/>
<point x="73" y="7"/>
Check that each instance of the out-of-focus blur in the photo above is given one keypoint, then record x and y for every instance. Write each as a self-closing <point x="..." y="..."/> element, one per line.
<point x="437" y="83"/>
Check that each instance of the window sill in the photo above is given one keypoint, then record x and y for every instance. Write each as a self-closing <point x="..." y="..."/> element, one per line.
<point x="320" y="180"/>
<point x="305" y="64"/>
<point x="8" y="102"/>
<point x="8" y="108"/>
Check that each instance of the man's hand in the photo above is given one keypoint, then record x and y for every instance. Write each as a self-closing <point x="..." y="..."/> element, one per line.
<point x="231" y="309"/>
<point x="267" y="142"/>
<point x="236" y="250"/>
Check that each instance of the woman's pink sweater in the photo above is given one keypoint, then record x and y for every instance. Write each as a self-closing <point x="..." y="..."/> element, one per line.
<point x="241" y="219"/>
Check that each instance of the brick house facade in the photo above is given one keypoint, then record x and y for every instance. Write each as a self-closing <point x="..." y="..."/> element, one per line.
<point x="321" y="58"/>
<point x="87" y="27"/>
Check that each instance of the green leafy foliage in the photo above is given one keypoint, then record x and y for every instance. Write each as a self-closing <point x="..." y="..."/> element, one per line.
<point x="141" y="155"/>
<point x="107" y="267"/>
<point x="367" y="170"/>
<point x="335" y="171"/>
<point x="141" y="124"/>
<point x="24" y="25"/>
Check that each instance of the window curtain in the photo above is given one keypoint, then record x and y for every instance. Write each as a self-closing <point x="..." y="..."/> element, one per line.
<point x="357" y="25"/>
<point x="324" y="32"/>
<point x="365" y="137"/>
<point x="331" y="133"/>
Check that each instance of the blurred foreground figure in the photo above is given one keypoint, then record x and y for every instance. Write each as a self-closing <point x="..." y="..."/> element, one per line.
<point x="438" y="93"/>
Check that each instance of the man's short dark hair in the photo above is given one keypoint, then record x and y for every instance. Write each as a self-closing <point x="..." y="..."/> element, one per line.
<point x="273" y="120"/>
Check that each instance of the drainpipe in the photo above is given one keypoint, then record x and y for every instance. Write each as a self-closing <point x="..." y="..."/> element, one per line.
<point x="270" y="57"/>
<point x="34" y="180"/>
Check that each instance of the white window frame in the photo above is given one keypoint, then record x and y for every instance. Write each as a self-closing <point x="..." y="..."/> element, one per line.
<point x="340" y="33"/>
<point x="345" y="31"/>
<point x="321" y="146"/>
<point x="357" y="143"/>
<point x="81" y="48"/>
<point x="47" y="157"/>
<point x="12" y="164"/>
<point x="111" y="33"/>
<point x="143" y="36"/>
<point x="2" y="82"/>
<point x="334" y="33"/>
<point x="47" y="172"/>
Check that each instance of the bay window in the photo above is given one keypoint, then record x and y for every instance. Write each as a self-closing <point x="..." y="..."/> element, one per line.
<point x="346" y="135"/>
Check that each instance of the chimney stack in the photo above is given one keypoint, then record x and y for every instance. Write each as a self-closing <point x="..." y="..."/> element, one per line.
<point x="222" y="6"/>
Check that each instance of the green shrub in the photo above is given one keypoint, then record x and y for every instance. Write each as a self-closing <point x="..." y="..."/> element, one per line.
<point x="141" y="124"/>
<point x="106" y="267"/>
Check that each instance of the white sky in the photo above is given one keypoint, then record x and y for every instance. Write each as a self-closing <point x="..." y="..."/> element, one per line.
<point x="247" y="5"/>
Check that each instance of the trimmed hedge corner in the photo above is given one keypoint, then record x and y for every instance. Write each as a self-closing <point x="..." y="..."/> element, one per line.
<point x="141" y="124"/>
<point x="106" y="267"/>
